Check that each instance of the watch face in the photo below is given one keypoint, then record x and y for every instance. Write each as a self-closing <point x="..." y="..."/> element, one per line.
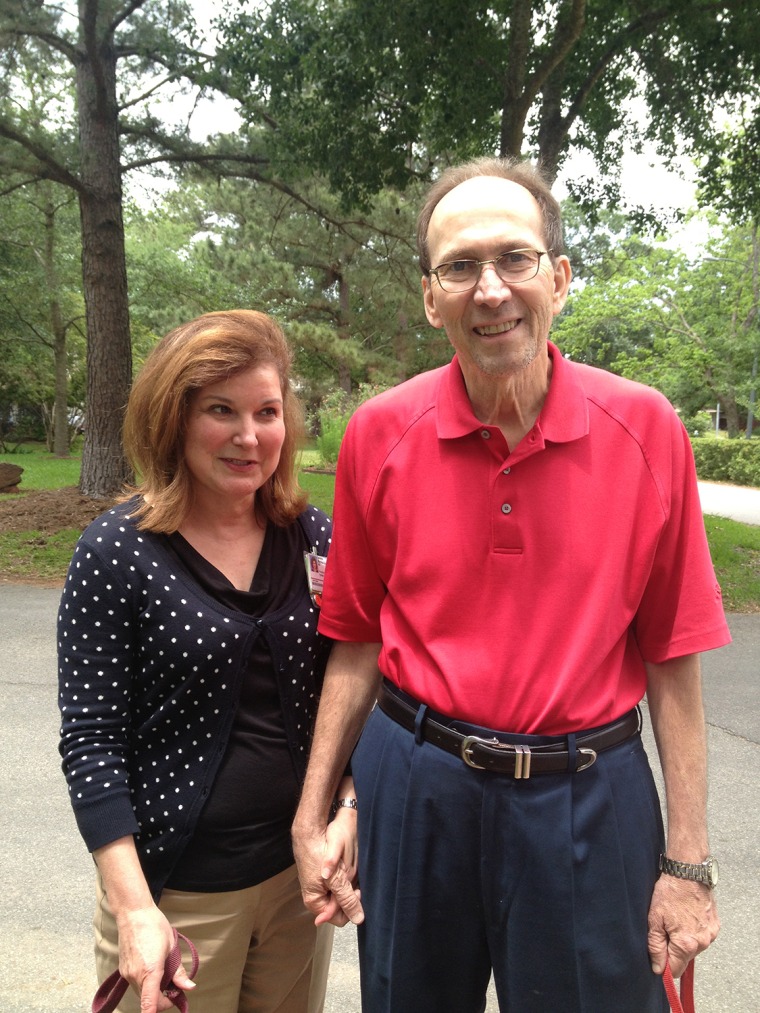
<point x="712" y="871"/>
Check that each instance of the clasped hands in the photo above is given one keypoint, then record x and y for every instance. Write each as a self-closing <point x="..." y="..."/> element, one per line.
<point x="327" y="869"/>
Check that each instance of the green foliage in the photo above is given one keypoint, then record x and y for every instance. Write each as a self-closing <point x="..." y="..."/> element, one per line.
<point x="375" y="94"/>
<point x="698" y="424"/>
<point x="331" y="437"/>
<point x="735" y="551"/>
<point x="41" y="311"/>
<point x="736" y="461"/>
<point x="686" y="327"/>
<point x="117" y="64"/>
<point x="729" y="179"/>
<point x="333" y="416"/>
<point x="346" y="293"/>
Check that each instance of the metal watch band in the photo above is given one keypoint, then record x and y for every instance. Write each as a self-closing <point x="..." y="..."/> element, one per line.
<point x="344" y="803"/>
<point x="703" y="872"/>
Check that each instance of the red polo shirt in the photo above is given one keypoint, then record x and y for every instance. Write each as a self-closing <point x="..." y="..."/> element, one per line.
<point x="521" y="589"/>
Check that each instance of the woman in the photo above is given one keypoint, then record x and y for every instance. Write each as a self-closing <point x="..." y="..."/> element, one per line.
<point x="190" y="669"/>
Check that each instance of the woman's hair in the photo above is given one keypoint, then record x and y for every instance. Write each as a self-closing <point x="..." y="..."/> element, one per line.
<point x="525" y="174"/>
<point x="213" y="347"/>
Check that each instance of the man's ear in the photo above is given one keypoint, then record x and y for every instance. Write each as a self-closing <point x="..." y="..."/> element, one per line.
<point x="428" y="299"/>
<point x="562" y="277"/>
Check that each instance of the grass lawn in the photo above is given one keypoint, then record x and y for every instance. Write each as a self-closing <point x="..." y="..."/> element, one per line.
<point x="42" y="470"/>
<point x="735" y="550"/>
<point x="735" y="547"/>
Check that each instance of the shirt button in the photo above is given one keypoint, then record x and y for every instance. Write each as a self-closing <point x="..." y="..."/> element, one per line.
<point x="485" y="434"/>
<point x="506" y="508"/>
<point x="506" y="471"/>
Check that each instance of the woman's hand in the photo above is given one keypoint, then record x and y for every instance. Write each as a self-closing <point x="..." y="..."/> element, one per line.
<point x="145" y="936"/>
<point x="339" y="871"/>
<point x="145" y="940"/>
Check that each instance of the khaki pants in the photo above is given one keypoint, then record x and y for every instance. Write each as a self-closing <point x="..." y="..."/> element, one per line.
<point x="259" y="949"/>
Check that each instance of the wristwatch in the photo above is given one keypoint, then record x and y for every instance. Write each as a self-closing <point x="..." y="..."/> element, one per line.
<point x="343" y="803"/>
<point x="705" y="872"/>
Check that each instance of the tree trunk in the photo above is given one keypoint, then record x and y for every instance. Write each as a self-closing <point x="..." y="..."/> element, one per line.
<point x="61" y="432"/>
<point x="731" y="414"/>
<point x="60" y="420"/>
<point x="344" y="371"/>
<point x="514" y="106"/>
<point x="109" y="358"/>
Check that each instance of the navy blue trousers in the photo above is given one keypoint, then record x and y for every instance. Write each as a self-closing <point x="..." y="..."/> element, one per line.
<point x="547" y="882"/>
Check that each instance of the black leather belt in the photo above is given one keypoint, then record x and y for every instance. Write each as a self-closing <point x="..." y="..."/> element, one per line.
<point x="518" y="759"/>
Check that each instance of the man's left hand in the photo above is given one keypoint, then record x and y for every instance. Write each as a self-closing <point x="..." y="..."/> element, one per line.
<point x="683" y="921"/>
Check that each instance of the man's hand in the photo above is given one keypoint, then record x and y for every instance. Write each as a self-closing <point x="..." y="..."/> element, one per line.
<point x="683" y="921"/>
<point x="327" y="870"/>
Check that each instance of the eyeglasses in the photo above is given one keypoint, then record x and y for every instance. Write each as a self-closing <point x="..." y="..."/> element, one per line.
<point x="514" y="268"/>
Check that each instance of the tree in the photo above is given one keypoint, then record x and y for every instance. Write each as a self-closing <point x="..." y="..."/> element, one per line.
<point x="41" y="300"/>
<point x="346" y="291"/>
<point x="119" y="54"/>
<point x="729" y="183"/>
<point x="680" y="325"/>
<point x="373" y="94"/>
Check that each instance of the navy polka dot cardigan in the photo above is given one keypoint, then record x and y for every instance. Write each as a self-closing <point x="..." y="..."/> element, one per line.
<point x="150" y="669"/>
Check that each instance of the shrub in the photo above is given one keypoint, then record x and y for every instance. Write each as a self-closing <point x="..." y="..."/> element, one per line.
<point x="698" y="424"/>
<point x="333" y="427"/>
<point x="333" y="416"/>
<point x="736" y="461"/>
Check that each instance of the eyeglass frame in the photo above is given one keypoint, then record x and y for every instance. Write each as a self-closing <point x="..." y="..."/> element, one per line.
<point x="482" y="263"/>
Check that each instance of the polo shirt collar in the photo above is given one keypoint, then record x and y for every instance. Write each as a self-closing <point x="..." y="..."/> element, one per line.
<point x="564" y="416"/>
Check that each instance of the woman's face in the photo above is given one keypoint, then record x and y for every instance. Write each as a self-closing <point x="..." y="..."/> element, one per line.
<point x="235" y="433"/>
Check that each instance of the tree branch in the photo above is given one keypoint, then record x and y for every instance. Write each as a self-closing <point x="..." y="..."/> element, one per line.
<point x="151" y="91"/>
<point x="122" y="15"/>
<point x="562" y="44"/>
<point x="645" y="24"/>
<point x="18" y="186"/>
<point x="54" y="170"/>
<point x="60" y="45"/>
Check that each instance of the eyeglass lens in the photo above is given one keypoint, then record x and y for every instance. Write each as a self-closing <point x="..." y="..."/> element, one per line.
<point x="516" y="266"/>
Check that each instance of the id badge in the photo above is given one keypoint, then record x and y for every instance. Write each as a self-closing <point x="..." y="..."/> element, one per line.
<point x="315" y="575"/>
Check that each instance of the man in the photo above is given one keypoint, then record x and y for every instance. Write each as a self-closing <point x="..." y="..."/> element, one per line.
<point x="519" y="556"/>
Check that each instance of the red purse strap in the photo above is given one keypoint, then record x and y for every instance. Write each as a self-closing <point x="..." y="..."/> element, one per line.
<point x="685" y="1002"/>
<point x="112" y="990"/>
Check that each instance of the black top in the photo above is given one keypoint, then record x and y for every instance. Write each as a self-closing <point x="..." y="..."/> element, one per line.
<point x="242" y="836"/>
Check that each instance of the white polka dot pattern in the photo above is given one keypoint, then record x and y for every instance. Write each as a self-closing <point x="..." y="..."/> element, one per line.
<point x="150" y="669"/>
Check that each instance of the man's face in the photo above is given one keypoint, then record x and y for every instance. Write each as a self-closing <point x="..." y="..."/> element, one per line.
<point x="496" y="329"/>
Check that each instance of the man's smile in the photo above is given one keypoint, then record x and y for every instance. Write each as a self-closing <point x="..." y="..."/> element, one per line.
<point x="489" y="329"/>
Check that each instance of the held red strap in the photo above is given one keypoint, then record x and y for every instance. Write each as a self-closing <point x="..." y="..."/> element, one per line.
<point x="684" y="1003"/>
<point x="112" y="990"/>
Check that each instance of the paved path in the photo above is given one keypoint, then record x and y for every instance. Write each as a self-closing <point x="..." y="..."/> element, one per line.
<point x="739" y="502"/>
<point x="46" y="878"/>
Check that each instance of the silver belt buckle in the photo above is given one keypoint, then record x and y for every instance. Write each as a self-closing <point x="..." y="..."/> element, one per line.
<point x="522" y="754"/>
<point x="590" y="760"/>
